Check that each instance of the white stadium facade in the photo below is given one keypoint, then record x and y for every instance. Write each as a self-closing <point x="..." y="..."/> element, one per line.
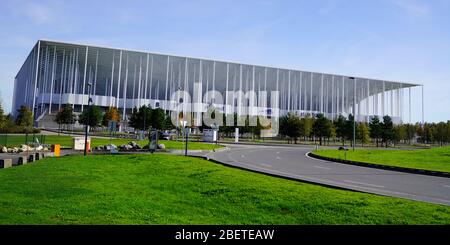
<point x="59" y="73"/>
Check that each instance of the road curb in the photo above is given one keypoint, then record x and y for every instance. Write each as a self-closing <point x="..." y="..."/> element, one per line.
<point x="384" y="167"/>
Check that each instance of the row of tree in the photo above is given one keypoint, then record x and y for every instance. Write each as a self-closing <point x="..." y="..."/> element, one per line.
<point x="141" y="118"/>
<point x="23" y="123"/>
<point x="376" y="131"/>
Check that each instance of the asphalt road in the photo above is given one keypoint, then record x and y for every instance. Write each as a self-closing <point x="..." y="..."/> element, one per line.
<point x="292" y="162"/>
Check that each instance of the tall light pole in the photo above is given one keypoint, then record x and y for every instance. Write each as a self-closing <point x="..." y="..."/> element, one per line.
<point x="354" y="112"/>
<point x="87" y="119"/>
<point x="184" y="124"/>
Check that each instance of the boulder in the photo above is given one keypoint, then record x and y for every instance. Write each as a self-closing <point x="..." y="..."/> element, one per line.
<point x="25" y="148"/>
<point x="39" y="148"/>
<point x="4" y="149"/>
<point x="45" y="149"/>
<point x="161" y="146"/>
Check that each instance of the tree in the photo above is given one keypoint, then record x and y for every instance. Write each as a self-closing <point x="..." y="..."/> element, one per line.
<point x="363" y="134"/>
<point x="65" y="116"/>
<point x="24" y="118"/>
<point x="410" y="131"/>
<point x="339" y="125"/>
<point x="2" y="118"/>
<point x="349" y="128"/>
<point x="158" y="118"/>
<point x="375" y="129"/>
<point x="440" y="133"/>
<point x="387" y="130"/>
<point x="290" y="126"/>
<point x="306" y="126"/>
<point x="95" y="116"/>
<point x="322" y="127"/>
<point x="399" y="133"/>
<point x="111" y="114"/>
<point x="141" y="118"/>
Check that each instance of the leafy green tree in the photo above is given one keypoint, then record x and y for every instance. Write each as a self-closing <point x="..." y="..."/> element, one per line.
<point x="141" y="118"/>
<point x="322" y="127"/>
<point x="363" y="134"/>
<point x="306" y="126"/>
<point x="387" y="130"/>
<point x="339" y="126"/>
<point x="375" y="129"/>
<point x="399" y="133"/>
<point x="24" y="118"/>
<point x="94" y="114"/>
<point x="349" y="128"/>
<point x="2" y="118"/>
<point x="158" y="118"/>
<point x="290" y="126"/>
<point x="410" y="132"/>
<point x="440" y="133"/>
<point x="65" y="116"/>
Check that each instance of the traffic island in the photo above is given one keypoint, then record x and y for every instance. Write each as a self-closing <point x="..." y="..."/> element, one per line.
<point x="380" y="166"/>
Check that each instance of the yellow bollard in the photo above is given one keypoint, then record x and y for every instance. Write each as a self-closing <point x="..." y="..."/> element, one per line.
<point x="56" y="150"/>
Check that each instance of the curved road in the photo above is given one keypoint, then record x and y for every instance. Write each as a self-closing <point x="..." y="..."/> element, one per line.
<point x="292" y="162"/>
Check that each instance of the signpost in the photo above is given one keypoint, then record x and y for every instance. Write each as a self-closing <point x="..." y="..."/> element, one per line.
<point x="112" y="127"/>
<point x="152" y="140"/>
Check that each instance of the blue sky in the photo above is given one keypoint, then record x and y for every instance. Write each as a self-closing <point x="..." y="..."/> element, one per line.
<point x="402" y="40"/>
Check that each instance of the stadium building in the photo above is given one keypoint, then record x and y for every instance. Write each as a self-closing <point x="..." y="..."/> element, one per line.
<point x="58" y="73"/>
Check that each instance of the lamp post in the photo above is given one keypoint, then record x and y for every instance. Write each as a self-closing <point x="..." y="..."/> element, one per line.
<point x="354" y="112"/>
<point x="184" y="124"/>
<point x="87" y="119"/>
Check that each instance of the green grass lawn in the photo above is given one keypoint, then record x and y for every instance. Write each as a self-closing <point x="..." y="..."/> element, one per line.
<point x="170" y="189"/>
<point x="66" y="141"/>
<point x="437" y="159"/>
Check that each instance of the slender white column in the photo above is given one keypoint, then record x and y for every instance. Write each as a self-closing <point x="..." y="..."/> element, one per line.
<point x="289" y="91"/>
<point x="112" y="80"/>
<point x="226" y="87"/>
<point x="139" y="82"/>
<point x="321" y="94"/>
<point x="125" y="91"/>
<point x="146" y="79"/>
<point x="118" y="81"/>
<point x="300" y="92"/>
<point x="84" y="76"/>
<point x="52" y="81"/>
<point x="332" y="98"/>
<point x="95" y="75"/>
<point x="311" y="93"/>
<point x="367" y="101"/>
<point x="62" y="78"/>
<point x="383" y="100"/>
<point x="409" y="104"/>
<point x="343" y="95"/>
<point x="134" y="86"/>
<point x="151" y="79"/>
<point x="423" y="108"/>
<point x="44" y="82"/>
<point x="167" y="81"/>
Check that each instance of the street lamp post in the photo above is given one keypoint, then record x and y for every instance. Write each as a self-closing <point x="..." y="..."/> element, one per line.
<point x="354" y="112"/>
<point x="184" y="124"/>
<point x="87" y="119"/>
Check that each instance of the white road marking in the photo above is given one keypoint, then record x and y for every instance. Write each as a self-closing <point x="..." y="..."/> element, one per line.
<point x="448" y="186"/>
<point x="322" y="167"/>
<point x="278" y="158"/>
<point x="265" y="165"/>
<point x="242" y="156"/>
<point x="361" y="183"/>
<point x="278" y="152"/>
